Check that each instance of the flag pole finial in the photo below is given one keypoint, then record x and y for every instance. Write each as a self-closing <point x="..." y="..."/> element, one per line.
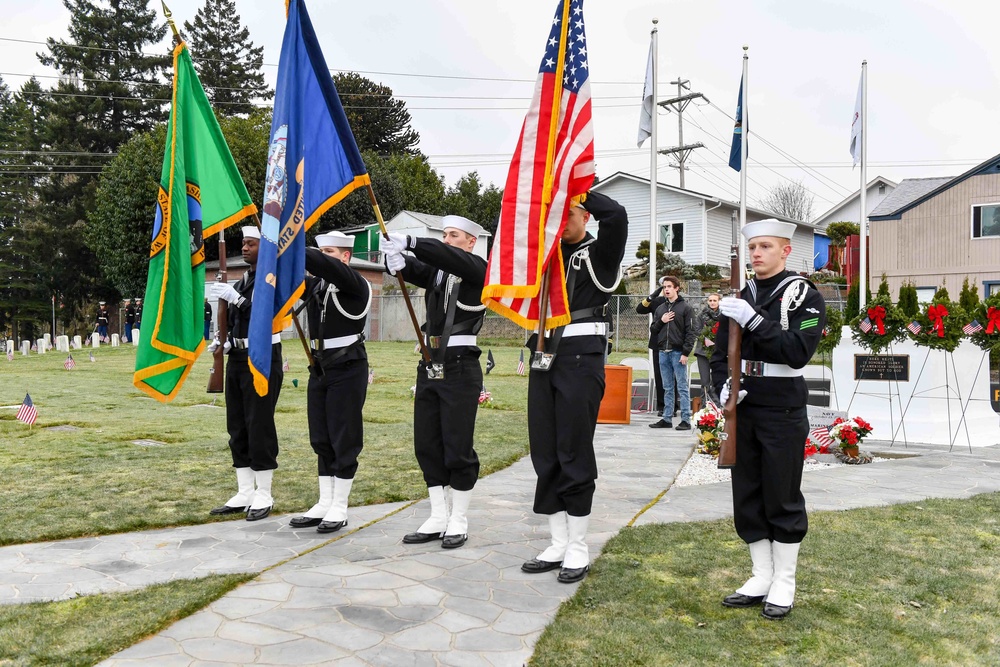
<point x="170" y="21"/>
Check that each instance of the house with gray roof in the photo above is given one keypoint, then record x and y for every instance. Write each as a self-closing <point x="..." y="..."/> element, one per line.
<point x="938" y="231"/>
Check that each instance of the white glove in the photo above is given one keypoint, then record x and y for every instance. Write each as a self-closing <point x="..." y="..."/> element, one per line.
<point x="395" y="244"/>
<point x="724" y="395"/>
<point x="737" y="309"/>
<point x="227" y="292"/>
<point x="395" y="262"/>
<point x="213" y="346"/>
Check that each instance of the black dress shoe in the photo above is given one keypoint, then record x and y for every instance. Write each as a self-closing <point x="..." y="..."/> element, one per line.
<point x="421" y="538"/>
<point x="304" y="522"/>
<point x="535" y="566"/>
<point x="226" y="509"/>
<point x="661" y="424"/>
<point x="257" y="515"/>
<point x="330" y="526"/>
<point x="740" y="600"/>
<point x="775" y="612"/>
<point x="453" y="541"/>
<point x="683" y="426"/>
<point x="569" y="575"/>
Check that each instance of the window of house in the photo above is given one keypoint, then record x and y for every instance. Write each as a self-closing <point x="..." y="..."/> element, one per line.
<point x="672" y="237"/>
<point x="990" y="288"/>
<point x="881" y="188"/>
<point x="925" y="294"/>
<point x="986" y="221"/>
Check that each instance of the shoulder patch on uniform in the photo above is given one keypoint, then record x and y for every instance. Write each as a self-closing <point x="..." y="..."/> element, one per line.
<point x="809" y="324"/>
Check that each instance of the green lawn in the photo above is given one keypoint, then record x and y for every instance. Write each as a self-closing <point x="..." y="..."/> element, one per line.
<point x="91" y="479"/>
<point x="86" y="630"/>
<point x="912" y="584"/>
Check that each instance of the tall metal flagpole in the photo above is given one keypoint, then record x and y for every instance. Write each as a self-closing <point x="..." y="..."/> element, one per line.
<point x="652" y="172"/>
<point x="745" y="130"/>
<point x="653" y="284"/>
<point x="863" y="250"/>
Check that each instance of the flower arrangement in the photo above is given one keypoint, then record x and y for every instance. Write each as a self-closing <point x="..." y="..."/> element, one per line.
<point x="813" y="450"/>
<point x="832" y="332"/>
<point x="880" y="325"/>
<point x="710" y="423"/>
<point x="850" y="432"/>
<point x="940" y="324"/>
<point x="485" y="398"/>
<point x="987" y="314"/>
<point x="706" y="339"/>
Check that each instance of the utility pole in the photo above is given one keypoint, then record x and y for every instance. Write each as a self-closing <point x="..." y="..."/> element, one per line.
<point x="678" y="104"/>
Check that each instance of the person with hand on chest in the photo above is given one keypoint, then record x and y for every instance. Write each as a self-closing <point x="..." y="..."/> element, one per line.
<point x="253" y="438"/>
<point x="338" y="300"/>
<point x="782" y="316"/>
<point x="676" y="333"/>
<point x="448" y="387"/>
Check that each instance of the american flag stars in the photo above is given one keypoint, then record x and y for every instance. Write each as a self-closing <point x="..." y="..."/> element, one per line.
<point x="575" y="68"/>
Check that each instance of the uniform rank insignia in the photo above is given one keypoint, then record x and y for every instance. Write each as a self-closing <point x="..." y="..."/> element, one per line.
<point x="809" y="324"/>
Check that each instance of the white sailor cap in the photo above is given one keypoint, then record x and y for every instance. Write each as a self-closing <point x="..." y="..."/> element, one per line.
<point x="251" y="232"/>
<point x="334" y="240"/>
<point x="102" y="302"/>
<point x="769" y="227"/>
<point x="464" y="224"/>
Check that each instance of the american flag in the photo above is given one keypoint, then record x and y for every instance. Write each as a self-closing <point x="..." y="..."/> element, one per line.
<point x="821" y="436"/>
<point x="284" y="365"/>
<point x="10" y="356"/>
<point x="865" y="325"/>
<point x="914" y="327"/>
<point x="27" y="413"/>
<point x="484" y="395"/>
<point x="972" y="327"/>
<point x="92" y="357"/>
<point x="69" y="364"/>
<point x="552" y="163"/>
<point x="520" y="364"/>
<point x="371" y="375"/>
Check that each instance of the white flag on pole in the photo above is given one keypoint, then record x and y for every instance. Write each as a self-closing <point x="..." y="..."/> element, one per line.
<point x="856" y="125"/>
<point x="646" y="115"/>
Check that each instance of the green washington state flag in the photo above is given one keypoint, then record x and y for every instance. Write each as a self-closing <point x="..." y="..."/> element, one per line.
<point x="201" y="193"/>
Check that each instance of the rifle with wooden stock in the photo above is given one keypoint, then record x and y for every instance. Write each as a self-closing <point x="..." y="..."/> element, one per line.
<point x="727" y="446"/>
<point x="215" y="379"/>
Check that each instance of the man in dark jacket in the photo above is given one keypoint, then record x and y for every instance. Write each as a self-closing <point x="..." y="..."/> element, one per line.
<point x="676" y="332"/>
<point x="648" y="306"/>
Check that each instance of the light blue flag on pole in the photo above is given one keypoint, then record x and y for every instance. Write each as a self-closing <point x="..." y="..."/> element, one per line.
<point x="736" y="150"/>
<point x="313" y="162"/>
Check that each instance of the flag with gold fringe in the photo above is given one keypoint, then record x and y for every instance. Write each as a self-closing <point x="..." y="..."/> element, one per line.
<point x="313" y="162"/>
<point x="201" y="192"/>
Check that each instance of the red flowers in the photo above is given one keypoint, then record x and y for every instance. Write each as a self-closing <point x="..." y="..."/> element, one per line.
<point x="715" y="329"/>
<point x="708" y="421"/>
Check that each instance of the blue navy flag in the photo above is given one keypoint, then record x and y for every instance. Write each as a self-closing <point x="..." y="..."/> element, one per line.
<point x="313" y="162"/>
<point x="736" y="150"/>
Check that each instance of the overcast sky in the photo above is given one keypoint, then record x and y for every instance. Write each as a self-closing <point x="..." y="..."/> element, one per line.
<point x="466" y="68"/>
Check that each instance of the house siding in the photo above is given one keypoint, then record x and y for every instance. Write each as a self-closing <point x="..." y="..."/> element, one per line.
<point x="932" y="243"/>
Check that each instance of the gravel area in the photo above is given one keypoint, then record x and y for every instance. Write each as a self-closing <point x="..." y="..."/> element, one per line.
<point x="703" y="468"/>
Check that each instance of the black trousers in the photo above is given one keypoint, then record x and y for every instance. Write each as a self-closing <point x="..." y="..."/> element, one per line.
<point x="336" y="428"/>
<point x="767" y="480"/>
<point x="562" y="414"/>
<point x="444" y="422"/>
<point x="658" y="380"/>
<point x="253" y="439"/>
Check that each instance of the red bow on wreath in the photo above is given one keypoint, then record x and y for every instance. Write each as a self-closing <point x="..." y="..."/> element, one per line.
<point x="877" y="315"/>
<point x="993" y="315"/>
<point x="936" y="315"/>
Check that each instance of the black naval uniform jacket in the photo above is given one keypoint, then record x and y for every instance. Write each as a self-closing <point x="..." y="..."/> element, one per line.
<point x="444" y="411"/>
<point x="338" y="381"/>
<point x="563" y="402"/>
<point x="773" y="419"/>
<point x="253" y="439"/>
<point x="130" y="315"/>
<point x="103" y="317"/>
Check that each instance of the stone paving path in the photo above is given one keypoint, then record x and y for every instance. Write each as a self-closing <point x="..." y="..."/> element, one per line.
<point x="366" y="599"/>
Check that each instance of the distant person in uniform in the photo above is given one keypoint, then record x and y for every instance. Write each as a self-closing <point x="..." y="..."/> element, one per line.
<point x="138" y="313"/>
<point x="103" y="318"/>
<point x="129" y="320"/>
<point x="208" y="319"/>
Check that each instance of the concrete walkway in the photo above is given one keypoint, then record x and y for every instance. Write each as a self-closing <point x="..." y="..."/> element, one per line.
<point x="366" y="599"/>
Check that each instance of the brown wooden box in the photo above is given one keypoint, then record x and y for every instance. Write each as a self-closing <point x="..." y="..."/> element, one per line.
<point x="616" y="406"/>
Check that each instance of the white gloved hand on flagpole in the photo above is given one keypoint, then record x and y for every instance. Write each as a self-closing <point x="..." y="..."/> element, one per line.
<point x="395" y="262"/>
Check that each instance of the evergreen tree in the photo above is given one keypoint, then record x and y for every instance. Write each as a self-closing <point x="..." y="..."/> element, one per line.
<point x="908" y="302"/>
<point x="883" y="287"/>
<point x="228" y="64"/>
<point x="969" y="297"/>
<point x="379" y="122"/>
<point x="110" y="90"/>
